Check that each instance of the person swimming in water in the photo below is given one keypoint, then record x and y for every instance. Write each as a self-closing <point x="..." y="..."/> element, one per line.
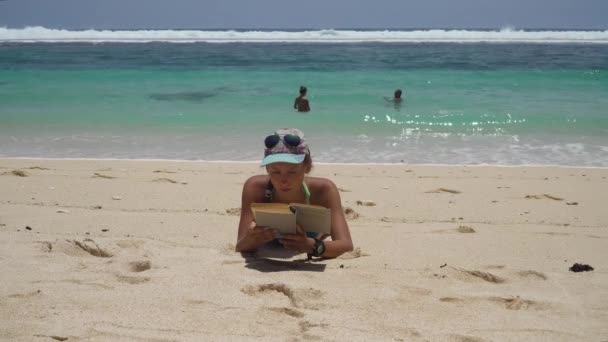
<point x="397" y="97"/>
<point x="301" y="103"/>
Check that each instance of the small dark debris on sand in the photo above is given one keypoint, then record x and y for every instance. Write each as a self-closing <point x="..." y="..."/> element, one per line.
<point x="571" y="203"/>
<point x="580" y="268"/>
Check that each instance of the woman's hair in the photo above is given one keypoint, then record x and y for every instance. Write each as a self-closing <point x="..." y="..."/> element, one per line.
<point x="302" y="90"/>
<point x="307" y="163"/>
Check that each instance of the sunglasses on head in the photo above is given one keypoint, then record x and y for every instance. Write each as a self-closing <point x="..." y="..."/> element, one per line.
<point x="291" y="140"/>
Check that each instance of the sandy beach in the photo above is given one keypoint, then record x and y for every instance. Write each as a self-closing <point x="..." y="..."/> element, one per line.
<point x="99" y="250"/>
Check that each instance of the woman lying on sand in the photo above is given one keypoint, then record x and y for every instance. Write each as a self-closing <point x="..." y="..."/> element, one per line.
<point x="287" y="161"/>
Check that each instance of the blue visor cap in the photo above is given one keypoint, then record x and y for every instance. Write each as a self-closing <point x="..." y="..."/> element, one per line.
<point x="283" y="158"/>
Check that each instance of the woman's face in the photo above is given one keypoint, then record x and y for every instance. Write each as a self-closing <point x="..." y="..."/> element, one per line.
<point x="286" y="177"/>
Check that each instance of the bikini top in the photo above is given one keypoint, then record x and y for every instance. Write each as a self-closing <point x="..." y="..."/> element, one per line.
<point x="268" y="193"/>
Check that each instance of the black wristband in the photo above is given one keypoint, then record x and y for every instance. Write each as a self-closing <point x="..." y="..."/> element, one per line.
<point x="318" y="249"/>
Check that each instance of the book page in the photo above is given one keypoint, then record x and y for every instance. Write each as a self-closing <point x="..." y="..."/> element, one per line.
<point x="313" y="218"/>
<point x="281" y="220"/>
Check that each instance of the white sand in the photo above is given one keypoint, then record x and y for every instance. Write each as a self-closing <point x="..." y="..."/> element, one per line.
<point x="158" y="263"/>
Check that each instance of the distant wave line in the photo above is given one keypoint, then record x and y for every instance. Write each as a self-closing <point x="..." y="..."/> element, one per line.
<point x="507" y="35"/>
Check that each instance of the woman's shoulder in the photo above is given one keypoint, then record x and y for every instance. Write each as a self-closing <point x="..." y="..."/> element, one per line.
<point x="254" y="188"/>
<point x="258" y="181"/>
<point x="320" y="184"/>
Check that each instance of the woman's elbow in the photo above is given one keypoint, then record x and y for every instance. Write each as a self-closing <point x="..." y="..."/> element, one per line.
<point x="349" y="246"/>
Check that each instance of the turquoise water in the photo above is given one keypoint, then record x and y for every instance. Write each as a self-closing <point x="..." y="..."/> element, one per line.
<point x="464" y="103"/>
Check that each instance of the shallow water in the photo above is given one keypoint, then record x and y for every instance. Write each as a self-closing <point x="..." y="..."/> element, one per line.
<point x="507" y="103"/>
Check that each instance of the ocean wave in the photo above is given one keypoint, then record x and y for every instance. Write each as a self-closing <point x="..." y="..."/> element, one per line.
<point x="506" y="35"/>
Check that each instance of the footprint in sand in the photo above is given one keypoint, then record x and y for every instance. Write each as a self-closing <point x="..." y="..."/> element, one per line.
<point x="495" y="267"/>
<point x="532" y="274"/>
<point x="470" y="275"/>
<point x="45" y="246"/>
<point x="543" y="196"/>
<point x="514" y="303"/>
<point x="517" y="303"/>
<point x="408" y="291"/>
<point x="298" y="298"/>
<point x="163" y="171"/>
<point x="140" y="266"/>
<point x="306" y="325"/>
<point x="554" y="233"/>
<point x="132" y="279"/>
<point x="101" y="175"/>
<point x="287" y="311"/>
<point x="229" y="249"/>
<point x="254" y="290"/>
<point x="440" y="190"/>
<point x="54" y="337"/>
<point x="366" y="203"/>
<point x="465" y="229"/>
<point x="350" y="214"/>
<point x="465" y="338"/>
<point x="355" y="253"/>
<point x="130" y="244"/>
<point x="25" y="295"/>
<point x="92" y="248"/>
<point x="451" y="300"/>
<point x="76" y="248"/>
<point x="18" y="173"/>
<point x="233" y="211"/>
<point x="165" y="180"/>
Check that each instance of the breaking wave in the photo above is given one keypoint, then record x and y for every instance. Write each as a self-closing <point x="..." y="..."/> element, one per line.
<point x="506" y="35"/>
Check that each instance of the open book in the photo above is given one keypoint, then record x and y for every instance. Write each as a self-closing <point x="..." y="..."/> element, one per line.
<point x="283" y="217"/>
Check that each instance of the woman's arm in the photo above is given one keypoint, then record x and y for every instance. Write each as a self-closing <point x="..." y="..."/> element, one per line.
<point x="340" y="234"/>
<point x="249" y="235"/>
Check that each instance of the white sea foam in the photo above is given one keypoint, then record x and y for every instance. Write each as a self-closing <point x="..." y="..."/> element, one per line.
<point x="506" y="35"/>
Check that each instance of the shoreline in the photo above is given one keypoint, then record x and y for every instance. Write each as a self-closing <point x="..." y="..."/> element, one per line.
<point x="315" y="163"/>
